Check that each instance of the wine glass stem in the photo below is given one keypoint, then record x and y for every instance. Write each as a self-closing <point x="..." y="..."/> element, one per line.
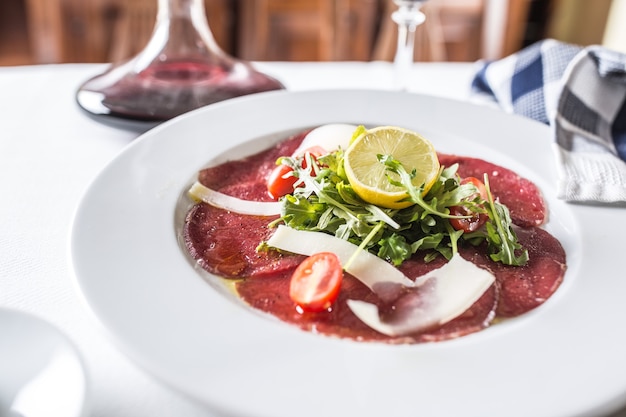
<point x="408" y="17"/>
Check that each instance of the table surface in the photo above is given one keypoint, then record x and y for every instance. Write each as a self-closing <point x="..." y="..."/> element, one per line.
<point x="49" y="154"/>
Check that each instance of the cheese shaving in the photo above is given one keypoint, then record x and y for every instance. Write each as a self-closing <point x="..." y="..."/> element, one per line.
<point x="443" y="295"/>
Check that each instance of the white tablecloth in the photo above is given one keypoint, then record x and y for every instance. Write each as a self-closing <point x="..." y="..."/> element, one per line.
<point x="49" y="154"/>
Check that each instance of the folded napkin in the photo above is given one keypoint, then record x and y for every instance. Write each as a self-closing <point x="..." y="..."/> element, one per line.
<point x="581" y="93"/>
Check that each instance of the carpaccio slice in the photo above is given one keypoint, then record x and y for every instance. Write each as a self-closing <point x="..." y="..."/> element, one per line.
<point x="225" y="243"/>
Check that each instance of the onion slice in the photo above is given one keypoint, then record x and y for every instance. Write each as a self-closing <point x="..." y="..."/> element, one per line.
<point x="234" y="204"/>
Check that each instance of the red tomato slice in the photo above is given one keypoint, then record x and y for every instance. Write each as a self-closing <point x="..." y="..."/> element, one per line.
<point x="469" y="224"/>
<point x="315" y="152"/>
<point x="280" y="182"/>
<point x="316" y="281"/>
<point x="476" y="220"/>
<point x="476" y="183"/>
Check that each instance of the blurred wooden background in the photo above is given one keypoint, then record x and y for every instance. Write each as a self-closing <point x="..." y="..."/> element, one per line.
<point x="59" y="31"/>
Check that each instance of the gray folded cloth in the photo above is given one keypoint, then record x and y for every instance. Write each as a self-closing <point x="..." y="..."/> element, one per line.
<point x="581" y="93"/>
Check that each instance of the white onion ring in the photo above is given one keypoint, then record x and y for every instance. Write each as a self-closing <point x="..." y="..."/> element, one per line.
<point x="234" y="204"/>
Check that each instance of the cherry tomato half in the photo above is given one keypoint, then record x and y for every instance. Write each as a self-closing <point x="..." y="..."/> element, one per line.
<point x="315" y="152"/>
<point x="476" y="220"/>
<point x="476" y="183"/>
<point x="316" y="281"/>
<point x="469" y="224"/>
<point x="281" y="183"/>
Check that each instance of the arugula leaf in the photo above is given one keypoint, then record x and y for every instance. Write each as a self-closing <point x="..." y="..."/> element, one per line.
<point x="395" y="248"/>
<point x="502" y="238"/>
<point x="302" y="211"/>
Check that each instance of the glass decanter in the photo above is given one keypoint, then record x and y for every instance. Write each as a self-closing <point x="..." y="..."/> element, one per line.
<point x="180" y="69"/>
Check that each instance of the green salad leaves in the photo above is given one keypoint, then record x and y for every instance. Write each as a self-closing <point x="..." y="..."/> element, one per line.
<point x="324" y="201"/>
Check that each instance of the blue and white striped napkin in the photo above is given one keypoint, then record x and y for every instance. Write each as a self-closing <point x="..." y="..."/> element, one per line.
<point x="581" y="93"/>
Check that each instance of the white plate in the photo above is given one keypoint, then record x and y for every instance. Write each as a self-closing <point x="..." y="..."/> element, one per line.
<point x="565" y="358"/>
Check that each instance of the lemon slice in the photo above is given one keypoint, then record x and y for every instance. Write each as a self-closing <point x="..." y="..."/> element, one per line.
<point x="368" y="176"/>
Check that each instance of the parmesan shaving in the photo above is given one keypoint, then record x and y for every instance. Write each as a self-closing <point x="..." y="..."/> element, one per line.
<point x="443" y="294"/>
<point x="234" y="204"/>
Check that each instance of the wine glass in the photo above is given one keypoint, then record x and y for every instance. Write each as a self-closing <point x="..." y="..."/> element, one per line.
<point x="180" y="69"/>
<point x="408" y="17"/>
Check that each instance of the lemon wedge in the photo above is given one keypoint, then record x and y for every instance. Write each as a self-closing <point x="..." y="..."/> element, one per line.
<point x="368" y="176"/>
